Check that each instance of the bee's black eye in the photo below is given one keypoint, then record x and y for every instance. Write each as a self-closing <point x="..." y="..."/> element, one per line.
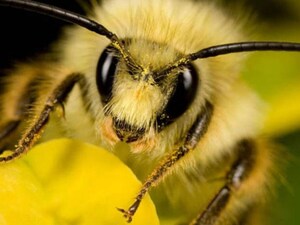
<point x="182" y="97"/>
<point x="106" y="70"/>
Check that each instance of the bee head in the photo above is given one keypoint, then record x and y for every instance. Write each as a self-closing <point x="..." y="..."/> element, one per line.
<point x="138" y="98"/>
<point x="143" y="85"/>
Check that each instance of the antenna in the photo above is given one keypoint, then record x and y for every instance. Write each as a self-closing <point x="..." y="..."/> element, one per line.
<point x="60" y="14"/>
<point x="224" y="49"/>
<point x="73" y="18"/>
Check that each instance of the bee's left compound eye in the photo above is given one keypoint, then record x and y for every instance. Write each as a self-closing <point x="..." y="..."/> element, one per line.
<point x="182" y="97"/>
<point x="106" y="70"/>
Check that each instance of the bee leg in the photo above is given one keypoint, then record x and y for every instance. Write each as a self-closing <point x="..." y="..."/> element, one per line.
<point x="240" y="171"/>
<point x="15" y="105"/>
<point x="8" y="128"/>
<point x="32" y="134"/>
<point x="195" y="133"/>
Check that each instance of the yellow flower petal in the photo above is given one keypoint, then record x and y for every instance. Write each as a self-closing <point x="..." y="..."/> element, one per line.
<point x="69" y="182"/>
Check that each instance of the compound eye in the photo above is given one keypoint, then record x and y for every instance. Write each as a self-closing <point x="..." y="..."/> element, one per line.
<point x="106" y="71"/>
<point x="182" y="97"/>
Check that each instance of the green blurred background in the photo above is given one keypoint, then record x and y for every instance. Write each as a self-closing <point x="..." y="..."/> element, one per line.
<point x="275" y="76"/>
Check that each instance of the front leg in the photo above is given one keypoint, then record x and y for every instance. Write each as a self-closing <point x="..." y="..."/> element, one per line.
<point x="195" y="133"/>
<point x="32" y="134"/>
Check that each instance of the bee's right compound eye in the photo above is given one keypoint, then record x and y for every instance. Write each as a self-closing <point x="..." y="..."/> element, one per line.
<point x="106" y="71"/>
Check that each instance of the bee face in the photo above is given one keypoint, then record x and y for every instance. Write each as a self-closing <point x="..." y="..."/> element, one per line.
<point x="139" y="102"/>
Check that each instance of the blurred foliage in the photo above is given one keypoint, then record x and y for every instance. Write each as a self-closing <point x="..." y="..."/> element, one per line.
<point x="276" y="77"/>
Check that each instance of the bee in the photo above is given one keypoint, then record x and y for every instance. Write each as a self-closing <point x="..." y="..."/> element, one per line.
<point x="162" y="79"/>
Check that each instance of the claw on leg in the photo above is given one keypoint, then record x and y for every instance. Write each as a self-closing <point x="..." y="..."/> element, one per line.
<point x="128" y="214"/>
